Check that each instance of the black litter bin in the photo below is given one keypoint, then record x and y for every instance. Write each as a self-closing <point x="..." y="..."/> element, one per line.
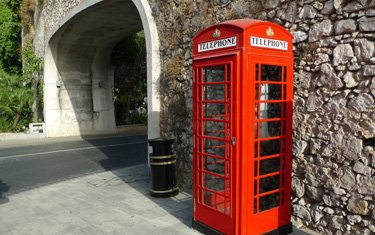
<point x="163" y="168"/>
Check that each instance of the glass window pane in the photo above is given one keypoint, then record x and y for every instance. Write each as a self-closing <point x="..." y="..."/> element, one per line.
<point x="214" y="74"/>
<point x="269" y="202"/>
<point x="215" y="95"/>
<point x="270" y="147"/>
<point x="214" y="201"/>
<point x="200" y="179"/>
<point x="270" y="92"/>
<point x="214" y="147"/>
<point x="214" y="165"/>
<point x="200" y="192"/>
<point x="285" y="73"/>
<point x="215" y="92"/>
<point x="227" y="205"/>
<point x="269" y="166"/>
<point x="214" y="129"/>
<point x="214" y="183"/>
<point x="227" y="186"/>
<point x="227" y="128"/>
<point x="284" y="128"/>
<point x="228" y="73"/>
<point x="271" y="73"/>
<point x="269" y="183"/>
<point x="215" y="111"/>
<point x="269" y="129"/>
<point x="285" y="92"/>
<point x="208" y="198"/>
<point x="270" y="110"/>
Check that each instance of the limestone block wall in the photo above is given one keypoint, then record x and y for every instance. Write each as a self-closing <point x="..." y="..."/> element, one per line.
<point x="334" y="119"/>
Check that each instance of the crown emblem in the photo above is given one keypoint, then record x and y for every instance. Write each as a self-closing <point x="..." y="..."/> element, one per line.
<point x="216" y="33"/>
<point x="270" y="32"/>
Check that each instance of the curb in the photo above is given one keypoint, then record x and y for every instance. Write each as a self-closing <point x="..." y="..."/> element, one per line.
<point x="10" y="138"/>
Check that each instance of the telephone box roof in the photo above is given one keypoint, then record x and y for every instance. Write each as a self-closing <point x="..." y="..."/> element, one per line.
<point x="243" y="25"/>
<point x="261" y="36"/>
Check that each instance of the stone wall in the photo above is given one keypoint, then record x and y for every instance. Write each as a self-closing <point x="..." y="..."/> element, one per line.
<point x="334" y="127"/>
<point x="47" y="16"/>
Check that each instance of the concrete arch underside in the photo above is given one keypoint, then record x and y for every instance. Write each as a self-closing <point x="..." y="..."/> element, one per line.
<point x="78" y="77"/>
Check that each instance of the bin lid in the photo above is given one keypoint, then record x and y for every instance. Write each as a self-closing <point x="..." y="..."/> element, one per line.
<point x="161" y="140"/>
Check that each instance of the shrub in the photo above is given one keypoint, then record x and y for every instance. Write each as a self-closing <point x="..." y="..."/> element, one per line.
<point x="16" y="97"/>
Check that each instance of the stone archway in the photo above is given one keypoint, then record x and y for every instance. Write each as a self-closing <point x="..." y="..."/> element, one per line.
<point x="78" y="84"/>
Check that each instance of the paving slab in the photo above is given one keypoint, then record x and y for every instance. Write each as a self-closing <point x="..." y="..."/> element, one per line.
<point x="108" y="203"/>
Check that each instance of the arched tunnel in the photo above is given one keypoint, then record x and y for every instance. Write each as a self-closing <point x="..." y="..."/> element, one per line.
<point x="78" y="88"/>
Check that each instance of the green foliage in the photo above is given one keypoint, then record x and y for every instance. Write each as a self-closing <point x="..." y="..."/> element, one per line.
<point x="130" y="50"/>
<point x="32" y="68"/>
<point x="16" y="97"/>
<point x="137" y="118"/>
<point x="17" y="92"/>
<point x="129" y="57"/>
<point x="31" y="63"/>
<point x="10" y="36"/>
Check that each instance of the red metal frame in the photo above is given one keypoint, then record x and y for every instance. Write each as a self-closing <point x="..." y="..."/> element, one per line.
<point x="224" y="203"/>
<point x="236" y="180"/>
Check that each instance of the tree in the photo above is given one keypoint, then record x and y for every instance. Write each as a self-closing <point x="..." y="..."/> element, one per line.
<point x="10" y="36"/>
<point x="129" y="58"/>
<point x="19" y="87"/>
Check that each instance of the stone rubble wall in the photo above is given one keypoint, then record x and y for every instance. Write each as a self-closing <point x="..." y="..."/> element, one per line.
<point x="55" y="10"/>
<point x="48" y="15"/>
<point x="334" y="127"/>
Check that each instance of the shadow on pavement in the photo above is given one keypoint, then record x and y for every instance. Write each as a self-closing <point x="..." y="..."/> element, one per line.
<point x="3" y="189"/>
<point x="129" y="150"/>
<point x="179" y="206"/>
<point x="136" y="157"/>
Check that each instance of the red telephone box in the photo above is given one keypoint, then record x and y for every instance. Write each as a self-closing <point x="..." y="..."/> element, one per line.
<point x="243" y="93"/>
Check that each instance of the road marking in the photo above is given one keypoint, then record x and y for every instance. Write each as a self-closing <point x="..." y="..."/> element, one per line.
<point x="69" y="150"/>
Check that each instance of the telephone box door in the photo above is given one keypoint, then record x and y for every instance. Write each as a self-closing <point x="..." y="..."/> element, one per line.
<point x="273" y="91"/>
<point x="213" y="151"/>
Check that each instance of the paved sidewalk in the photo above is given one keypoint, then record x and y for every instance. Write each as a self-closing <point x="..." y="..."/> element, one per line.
<point x="106" y="203"/>
<point x="116" y="202"/>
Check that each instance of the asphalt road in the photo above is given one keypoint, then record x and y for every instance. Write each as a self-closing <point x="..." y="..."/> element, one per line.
<point x="23" y="167"/>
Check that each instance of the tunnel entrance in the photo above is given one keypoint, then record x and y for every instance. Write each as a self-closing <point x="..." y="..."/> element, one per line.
<point x="79" y="76"/>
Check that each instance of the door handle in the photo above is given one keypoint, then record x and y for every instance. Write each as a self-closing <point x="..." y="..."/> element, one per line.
<point x="234" y="141"/>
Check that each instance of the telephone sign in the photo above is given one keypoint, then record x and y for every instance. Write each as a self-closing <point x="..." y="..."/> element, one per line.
<point x="268" y="43"/>
<point x="243" y="93"/>
<point x="223" y="43"/>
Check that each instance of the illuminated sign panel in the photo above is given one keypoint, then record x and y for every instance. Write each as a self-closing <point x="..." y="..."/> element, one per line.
<point x="268" y="43"/>
<point x="218" y="44"/>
